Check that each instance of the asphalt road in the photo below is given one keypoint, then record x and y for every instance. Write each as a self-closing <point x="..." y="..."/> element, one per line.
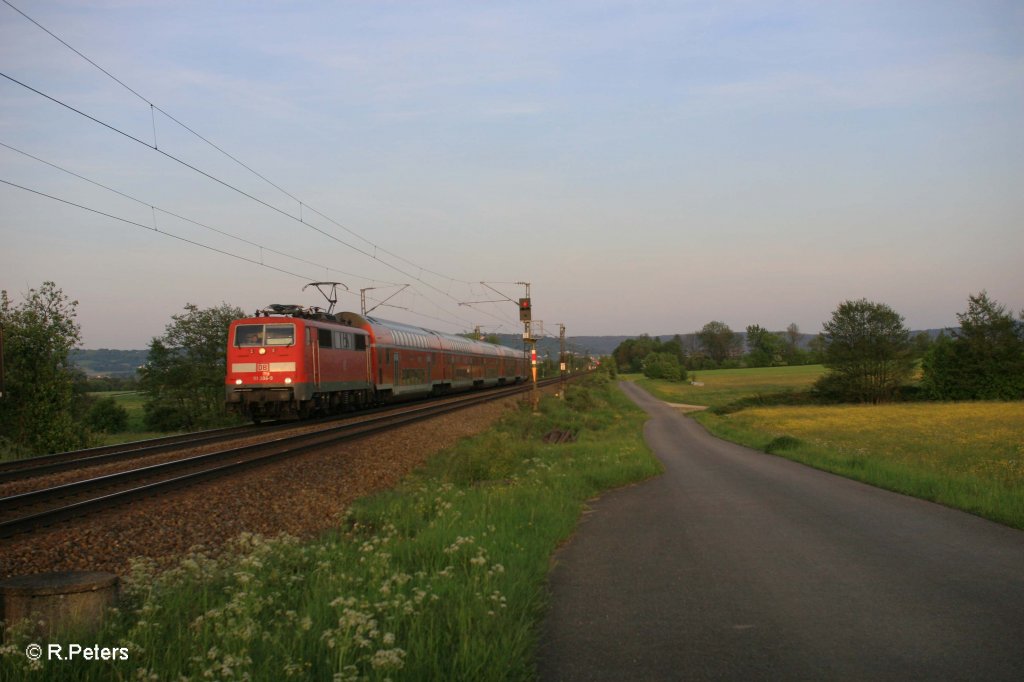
<point x="736" y="565"/>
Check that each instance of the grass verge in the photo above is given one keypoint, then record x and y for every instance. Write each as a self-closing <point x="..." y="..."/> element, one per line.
<point x="441" y="578"/>
<point x="963" y="455"/>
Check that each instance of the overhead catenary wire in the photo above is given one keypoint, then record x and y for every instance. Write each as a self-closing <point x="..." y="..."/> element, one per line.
<point x="165" y="233"/>
<point x="151" y="229"/>
<point x="301" y="204"/>
<point x="236" y="189"/>
<point x="192" y="221"/>
<point x="155" y="107"/>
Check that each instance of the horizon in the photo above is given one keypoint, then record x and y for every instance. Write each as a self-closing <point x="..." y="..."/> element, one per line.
<point x="742" y="331"/>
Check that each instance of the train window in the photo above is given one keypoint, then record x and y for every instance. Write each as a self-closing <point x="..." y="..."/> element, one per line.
<point x="249" y="335"/>
<point x="360" y="342"/>
<point x="280" y="334"/>
<point x="324" y="337"/>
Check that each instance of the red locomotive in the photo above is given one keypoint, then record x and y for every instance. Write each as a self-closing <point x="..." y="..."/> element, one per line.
<point x="292" y="362"/>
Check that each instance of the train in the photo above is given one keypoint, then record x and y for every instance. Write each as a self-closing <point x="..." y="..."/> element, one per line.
<point x="292" y="362"/>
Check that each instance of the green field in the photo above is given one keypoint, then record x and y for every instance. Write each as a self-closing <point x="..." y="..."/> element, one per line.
<point x="965" y="455"/>
<point x="724" y="386"/>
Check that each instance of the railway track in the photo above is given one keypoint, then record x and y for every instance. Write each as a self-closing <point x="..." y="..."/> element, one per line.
<point x="28" y="511"/>
<point x="78" y="459"/>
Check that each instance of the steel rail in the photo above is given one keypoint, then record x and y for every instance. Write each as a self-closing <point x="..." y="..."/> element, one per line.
<point x="48" y="464"/>
<point x="210" y="465"/>
<point x="43" y="465"/>
<point x="73" y="459"/>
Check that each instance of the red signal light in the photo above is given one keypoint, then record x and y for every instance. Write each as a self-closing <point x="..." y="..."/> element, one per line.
<point x="524" y="310"/>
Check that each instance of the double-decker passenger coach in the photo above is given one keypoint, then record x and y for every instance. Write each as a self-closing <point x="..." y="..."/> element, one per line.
<point x="293" y="362"/>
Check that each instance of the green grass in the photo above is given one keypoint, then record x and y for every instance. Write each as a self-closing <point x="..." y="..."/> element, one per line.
<point x="724" y="386"/>
<point x="132" y="401"/>
<point x="441" y="578"/>
<point x="964" y="455"/>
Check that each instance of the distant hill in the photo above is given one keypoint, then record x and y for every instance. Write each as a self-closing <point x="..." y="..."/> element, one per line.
<point x="106" y="362"/>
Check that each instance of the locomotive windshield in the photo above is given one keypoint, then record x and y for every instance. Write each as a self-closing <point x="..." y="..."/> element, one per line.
<point x="264" y="335"/>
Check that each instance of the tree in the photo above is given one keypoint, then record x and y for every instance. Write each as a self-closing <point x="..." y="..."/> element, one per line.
<point x="184" y="376"/>
<point x="675" y="347"/>
<point x="984" y="359"/>
<point x="765" y="347"/>
<point x="630" y="354"/>
<point x="663" y="366"/>
<point x="717" y="340"/>
<point x="39" y="411"/>
<point x="792" y="352"/>
<point x="815" y="350"/>
<point x="921" y="343"/>
<point x="867" y="350"/>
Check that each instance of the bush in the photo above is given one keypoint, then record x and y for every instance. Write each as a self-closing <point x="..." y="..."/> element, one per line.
<point x="983" y="361"/>
<point x="165" y="417"/>
<point x="580" y="398"/>
<point x="10" y="450"/>
<point x="107" y="416"/>
<point x="663" y="366"/>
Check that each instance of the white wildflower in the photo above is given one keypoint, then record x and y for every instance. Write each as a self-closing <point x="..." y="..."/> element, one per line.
<point x="388" y="659"/>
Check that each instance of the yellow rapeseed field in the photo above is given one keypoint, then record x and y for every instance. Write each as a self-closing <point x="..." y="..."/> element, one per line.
<point x="980" y="439"/>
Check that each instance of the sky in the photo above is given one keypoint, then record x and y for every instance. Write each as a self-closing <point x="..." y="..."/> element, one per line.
<point x="646" y="166"/>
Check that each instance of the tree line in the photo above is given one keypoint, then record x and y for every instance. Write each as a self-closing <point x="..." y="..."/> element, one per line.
<point x="715" y="346"/>
<point x="869" y="352"/>
<point x="46" y="404"/>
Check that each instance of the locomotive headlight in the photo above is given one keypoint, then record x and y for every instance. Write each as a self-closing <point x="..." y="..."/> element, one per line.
<point x="238" y="382"/>
<point x="263" y="351"/>
<point x="288" y="380"/>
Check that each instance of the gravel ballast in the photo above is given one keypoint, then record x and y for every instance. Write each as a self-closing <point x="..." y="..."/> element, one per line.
<point x="301" y="496"/>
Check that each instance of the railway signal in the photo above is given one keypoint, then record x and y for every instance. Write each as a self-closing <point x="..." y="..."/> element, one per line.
<point x="526" y="317"/>
<point x="524" y="310"/>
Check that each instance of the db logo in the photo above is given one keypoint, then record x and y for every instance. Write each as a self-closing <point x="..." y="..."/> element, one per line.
<point x="262" y="368"/>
